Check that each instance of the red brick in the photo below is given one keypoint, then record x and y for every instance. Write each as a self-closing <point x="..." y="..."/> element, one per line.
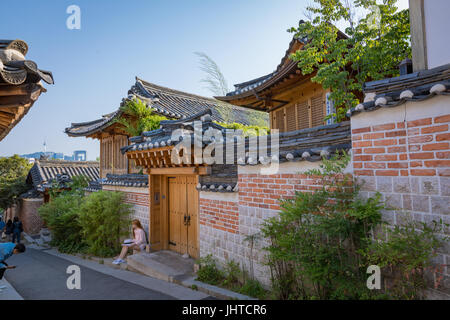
<point x="437" y="163"/>
<point x="443" y="155"/>
<point x="436" y="146"/>
<point x="357" y="151"/>
<point x="415" y="164"/>
<point x="420" y="139"/>
<point x="374" y="150"/>
<point x="400" y="125"/>
<point x="371" y="136"/>
<point x="442" y="119"/>
<point x="413" y="148"/>
<point x="402" y="141"/>
<point x="400" y="133"/>
<point x="404" y="173"/>
<point x="397" y="165"/>
<point x="384" y="127"/>
<point x="420" y="122"/>
<point x="361" y="130"/>
<point x="386" y="157"/>
<point x="362" y="158"/>
<point x="444" y="173"/>
<point x="396" y="149"/>
<point x="363" y="172"/>
<point x="386" y="142"/>
<point x="423" y="172"/>
<point x="360" y="144"/>
<point x="386" y="173"/>
<point x="402" y="157"/>
<point x="356" y="137"/>
<point x="440" y="128"/>
<point x="374" y="165"/>
<point x="422" y="155"/>
<point x="413" y="131"/>
<point x="443" y="137"/>
<point x="357" y="165"/>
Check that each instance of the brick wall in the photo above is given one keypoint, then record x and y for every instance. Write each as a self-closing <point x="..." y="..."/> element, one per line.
<point x="28" y="214"/>
<point x="219" y="214"/>
<point x="404" y="153"/>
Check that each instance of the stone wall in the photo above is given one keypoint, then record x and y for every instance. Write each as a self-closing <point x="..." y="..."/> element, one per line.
<point x="404" y="153"/>
<point x="227" y="219"/>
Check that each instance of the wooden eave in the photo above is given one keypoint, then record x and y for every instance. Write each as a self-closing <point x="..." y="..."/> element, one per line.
<point x="15" y="102"/>
<point x="158" y="161"/>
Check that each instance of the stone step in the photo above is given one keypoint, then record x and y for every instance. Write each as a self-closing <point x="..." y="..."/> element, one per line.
<point x="163" y="265"/>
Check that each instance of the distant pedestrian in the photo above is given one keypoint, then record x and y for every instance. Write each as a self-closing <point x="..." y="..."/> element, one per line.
<point x="9" y="230"/>
<point x="6" y="251"/>
<point x="17" y="229"/>
<point x="2" y="228"/>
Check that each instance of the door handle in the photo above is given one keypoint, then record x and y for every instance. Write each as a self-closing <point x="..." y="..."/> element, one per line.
<point x="189" y="220"/>
<point x="185" y="220"/>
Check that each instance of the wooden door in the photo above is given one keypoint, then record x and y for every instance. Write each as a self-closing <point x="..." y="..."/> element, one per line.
<point x="183" y="214"/>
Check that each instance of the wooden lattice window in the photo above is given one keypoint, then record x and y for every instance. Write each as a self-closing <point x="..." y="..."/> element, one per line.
<point x="317" y="111"/>
<point x="291" y="121"/>
<point x="279" y="117"/>
<point x="303" y="115"/>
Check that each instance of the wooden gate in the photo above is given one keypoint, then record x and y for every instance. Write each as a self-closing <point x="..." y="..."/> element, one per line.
<point x="183" y="214"/>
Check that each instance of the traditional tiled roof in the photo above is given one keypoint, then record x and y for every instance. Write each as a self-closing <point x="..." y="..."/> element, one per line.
<point x="310" y="144"/>
<point x="417" y="86"/>
<point x="20" y="83"/>
<point x="177" y="104"/>
<point x="170" y="103"/>
<point x="125" y="180"/>
<point x="44" y="172"/>
<point x="284" y="68"/>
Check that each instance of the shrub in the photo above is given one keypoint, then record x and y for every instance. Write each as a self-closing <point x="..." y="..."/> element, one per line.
<point x="104" y="219"/>
<point x="406" y="257"/>
<point x="208" y="272"/>
<point x="61" y="216"/>
<point x="315" y="241"/>
<point x="253" y="288"/>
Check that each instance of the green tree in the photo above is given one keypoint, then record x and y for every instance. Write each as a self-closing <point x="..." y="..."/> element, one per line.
<point x="13" y="174"/>
<point x="138" y="118"/>
<point x="371" y="50"/>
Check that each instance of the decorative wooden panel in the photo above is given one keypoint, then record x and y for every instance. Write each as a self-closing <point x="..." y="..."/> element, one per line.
<point x="291" y="120"/>
<point x="317" y="111"/>
<point x="303" y="115"/>
<point x="279" y="115"/>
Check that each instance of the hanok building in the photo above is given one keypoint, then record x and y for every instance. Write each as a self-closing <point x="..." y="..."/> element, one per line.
<point x="292" y="100"/>
<point x="44" y="176"/>
<point x="20" y="84"/>
<point x="116" y="171"/>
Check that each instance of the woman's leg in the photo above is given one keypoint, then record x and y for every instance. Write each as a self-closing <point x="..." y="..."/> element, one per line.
<point x="124" y="252"/>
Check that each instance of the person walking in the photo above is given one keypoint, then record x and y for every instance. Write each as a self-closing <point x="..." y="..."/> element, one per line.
<point x="2" y="228"/>
<point x="6" y="251"/>
<point x="9" y="230"/>
<point x="17" y="230"/>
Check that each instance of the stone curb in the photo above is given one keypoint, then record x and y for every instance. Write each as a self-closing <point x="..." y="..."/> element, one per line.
<point x="8" y="293"/>
<point x="212" y="290"/>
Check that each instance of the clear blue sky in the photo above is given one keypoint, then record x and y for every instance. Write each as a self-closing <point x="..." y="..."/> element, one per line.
<point x="94" y="67"/>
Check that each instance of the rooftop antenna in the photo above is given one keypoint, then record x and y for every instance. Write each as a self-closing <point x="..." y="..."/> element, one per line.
<point x="45" y="147"/>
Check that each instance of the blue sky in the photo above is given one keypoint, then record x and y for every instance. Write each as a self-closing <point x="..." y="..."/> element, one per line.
<point x="153" y="39"/>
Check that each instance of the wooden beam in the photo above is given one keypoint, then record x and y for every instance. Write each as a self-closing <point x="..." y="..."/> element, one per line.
<point x="181" y="171"/>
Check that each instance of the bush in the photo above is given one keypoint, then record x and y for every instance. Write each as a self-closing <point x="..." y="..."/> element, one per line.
<point x="208" y="272"/>
<point x="61" y="216"/>
<point x="317" y="238"/>
<point x="406" y="257"/>
<point x="253" y="288"/>
<point x="104" y="219"/>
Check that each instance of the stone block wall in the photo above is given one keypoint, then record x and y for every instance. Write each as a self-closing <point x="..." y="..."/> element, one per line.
<point x="404" y="153"/>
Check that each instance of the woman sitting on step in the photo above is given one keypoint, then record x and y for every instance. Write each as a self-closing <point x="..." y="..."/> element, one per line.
<point x="138" y="243"/>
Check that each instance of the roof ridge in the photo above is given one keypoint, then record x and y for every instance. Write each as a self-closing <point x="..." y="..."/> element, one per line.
<point x="182" y="93"/>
